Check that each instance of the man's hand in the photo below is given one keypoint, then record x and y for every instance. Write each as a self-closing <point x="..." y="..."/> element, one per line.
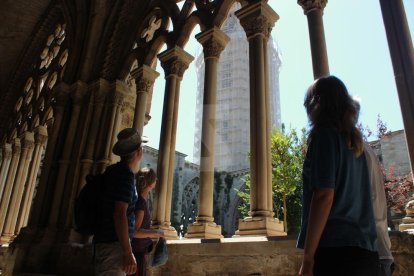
<point x="130" y="264"/>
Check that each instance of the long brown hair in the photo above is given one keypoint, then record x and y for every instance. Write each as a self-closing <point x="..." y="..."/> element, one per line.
<point x="328" y="104"/>
<point x="146" y="176"/>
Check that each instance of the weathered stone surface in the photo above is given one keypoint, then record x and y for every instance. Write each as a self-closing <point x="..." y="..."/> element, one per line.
<point x="402" y="247"/>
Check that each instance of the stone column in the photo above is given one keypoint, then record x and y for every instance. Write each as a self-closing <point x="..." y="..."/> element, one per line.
<point x="40" y="137"/>
<point x="99" y="90"/>
<point x="174" y="62"/>
<point x="78" y="91"/>
<point x="27" y="143"/>
<point x="257" y="20"/>
<point x="109" y="128"/>
<point x="402" y="56"/>
<point x="314" y="11"/>
<point x="8" y="186"/>
<point x="144" y="79"/>
<point x="46" y="185"/>
<point x="7" y="154"/>
<point x="213" y="41"/>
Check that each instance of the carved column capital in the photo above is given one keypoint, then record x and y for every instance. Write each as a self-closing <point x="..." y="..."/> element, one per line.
<point x="40" y="135"/>
<point x="257" y="19"/>
<point x="175" y="61"/>
<point x="309" y="5"/>
<point x="144" y="78"/>
<point x="7" y="151"/>
<point x="99" y="90"/>
<point x="27" y="140"/>
<point x="213" y="40"/>
<point x="61" y="94"/>
<point x="117" y="92"/>
<point x="16" y="146"/>
<point x="78" y="92"/>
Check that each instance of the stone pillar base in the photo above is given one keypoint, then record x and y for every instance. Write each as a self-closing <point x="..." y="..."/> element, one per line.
<point x="169" y="232"/>
<point x="5" y="239"/>
<point x="204" y="230"/>
<point x="407" y="224"/>
<point x="260" y="226"/>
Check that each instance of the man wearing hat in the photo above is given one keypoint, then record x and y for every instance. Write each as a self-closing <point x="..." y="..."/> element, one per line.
<point x="116" y="224"/>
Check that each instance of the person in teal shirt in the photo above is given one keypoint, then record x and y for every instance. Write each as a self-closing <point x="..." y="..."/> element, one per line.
<point x="338" y="229"/>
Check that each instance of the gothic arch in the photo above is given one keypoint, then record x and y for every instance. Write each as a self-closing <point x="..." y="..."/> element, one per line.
<point x="189" y="203"/>
<point x="119" y="44"/>
<point x="223" y="10"/>
<point x="36" y="95"/>
<point x="22" y="71"/>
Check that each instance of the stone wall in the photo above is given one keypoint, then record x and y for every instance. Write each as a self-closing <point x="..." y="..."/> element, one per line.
<point x="225" y="257"/>
<point x="402" y="247"/>
<point x="232" y="257"/>
<point x="392" y="152"/>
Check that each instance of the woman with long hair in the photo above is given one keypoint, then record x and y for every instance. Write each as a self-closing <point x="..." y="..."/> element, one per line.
<point x="338" y="229"/>
<point x="143" y="234"/>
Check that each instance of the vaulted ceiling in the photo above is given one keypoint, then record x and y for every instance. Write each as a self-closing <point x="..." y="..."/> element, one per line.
<point x="18" y="19"/>
<point x="100" y="35"/>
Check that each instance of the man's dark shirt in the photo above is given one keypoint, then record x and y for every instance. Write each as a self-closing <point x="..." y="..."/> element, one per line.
<point x="118" y="185"/>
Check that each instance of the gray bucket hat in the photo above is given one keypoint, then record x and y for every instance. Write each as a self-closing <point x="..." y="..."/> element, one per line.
<point x="129" y="140"/>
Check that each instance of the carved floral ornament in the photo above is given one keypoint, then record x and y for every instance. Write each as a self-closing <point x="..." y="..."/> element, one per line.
<point x="143" y="85"/>
<point x="40" y="138"/>
<point x="153" y="25"/>
<point x="7" y="151"/>
<point x="174" y="67"/>
<point x="309" y="5"/>
<point x="212" y="48"/>
<point x="257" y="25"/>
<point x="27" y="143"/>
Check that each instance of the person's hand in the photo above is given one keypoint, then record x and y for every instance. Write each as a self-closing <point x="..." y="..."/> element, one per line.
<point x="306" y="268"/>
<point x="130" y="264"/>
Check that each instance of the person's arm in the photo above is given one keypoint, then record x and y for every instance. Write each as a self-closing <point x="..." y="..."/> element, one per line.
<point x="320" y="208"/>
<point x="145" y="233"/>
<point x="121" y="228"/>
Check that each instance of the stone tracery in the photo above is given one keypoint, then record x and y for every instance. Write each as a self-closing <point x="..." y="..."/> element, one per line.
<point x="86" y="110"/>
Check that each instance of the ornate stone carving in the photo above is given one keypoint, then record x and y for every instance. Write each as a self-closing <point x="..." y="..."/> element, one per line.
<point x="7" y="151"/>
<point x="257" y="25"/>
<point x="99" y="90"/>
<point x="117" y="98"/>
<point x="212" y="48"/>
<point x="79" y="90"/>
<point x="213" y="40"/>
<point x="27" y="140"/>
<point x="143" y="85"/>
<point x="175" y="61"/>
<point x="16" y="146"/>
<point x="153" y="25"/>
<point x="40" y="135"/>
<point x="309" y="5"/>
<point x="174" y="67"/>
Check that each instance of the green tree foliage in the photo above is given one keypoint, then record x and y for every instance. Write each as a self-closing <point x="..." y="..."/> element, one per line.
<point x="288" y="151"/>
<point x="287" y="162"/>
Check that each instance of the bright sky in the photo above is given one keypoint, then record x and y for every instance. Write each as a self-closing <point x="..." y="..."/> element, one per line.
<point x="357" y="52"/>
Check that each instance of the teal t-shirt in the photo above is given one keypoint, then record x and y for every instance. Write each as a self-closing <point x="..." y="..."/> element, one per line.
<point x="329" y="163"/>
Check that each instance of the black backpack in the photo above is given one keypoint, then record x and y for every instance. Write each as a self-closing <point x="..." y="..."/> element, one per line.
<point x="87" y="205"/>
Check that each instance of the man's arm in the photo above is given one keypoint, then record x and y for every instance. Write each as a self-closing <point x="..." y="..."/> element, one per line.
<point x="121" y="228"/>
<point x="320" y="208"/>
